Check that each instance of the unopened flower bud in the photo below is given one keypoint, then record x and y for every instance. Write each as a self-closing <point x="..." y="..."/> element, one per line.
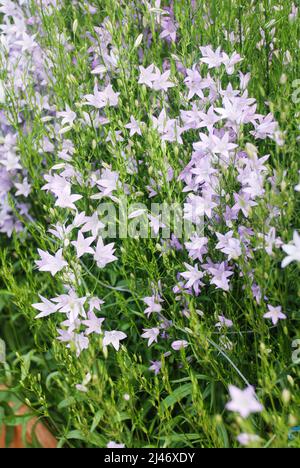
<point x="286" y="396"/>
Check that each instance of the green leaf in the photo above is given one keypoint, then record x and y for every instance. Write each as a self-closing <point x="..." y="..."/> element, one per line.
<point x="66" y="403"/>
<point x="178" y="394"/>
<point x="223" y="434"/>
<point x="97" y="418"/>
<point x="76" y="435"/>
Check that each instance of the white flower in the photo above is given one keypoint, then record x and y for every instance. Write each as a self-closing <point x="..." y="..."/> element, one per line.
<point x="248" y="439"/>
<point x="23" y="188"/>
<point x="11" y="162"/>
<point x="193" y="277"/>
<point x="148" y="75"/>
<point x="292" y="250"/>
<point x="100" y="99"/>
<point x="151" y="334"/>
<point x="153" y="303"/>
<point x="114" y="445"/>
<point x="83" y="245"/>
<point x="243" y="402"/>
<point x="275" y="314"/>
<point x="104" y="254"/>
<point x="45" y="307"/>
<point x="68" y="116"/>
<point x="83" y="387"/>
<point x="67" y="200"/>
<point x="134" y="127"/>
<point x="179" y="344"/>
<point x="113" y="337"/>
<point x="107" y="184"/>
<point x="51" y="263"/>
<point x="92" y="224"/>
<point x="93" y="324"/>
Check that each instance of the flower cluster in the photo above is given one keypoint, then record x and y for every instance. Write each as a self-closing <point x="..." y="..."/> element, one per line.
<point x="185" y="130"/>
<point x="23" y="58"/>
<point x="216" y="118"/>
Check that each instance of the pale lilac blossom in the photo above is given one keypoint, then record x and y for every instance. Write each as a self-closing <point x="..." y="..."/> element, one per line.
<point x="292" y="250"/>
<point x="93" y="324"/>
<point x="153" y="303"/>
<point x="114" y="445"/>
<point x="155" y="367"/>
<point x="151" y="334"/>
<point x="248" y="439"/>
<point x="193" y="277"/>
<point x="104" y="254"/>
<point x="243" y="402"/>
<point x="83" y="386"/>
<point x="92" y="224"/>
<point x="113" y="337"/>
<point x="68" y="117"/>
<point x="134" y="126"/>
<point x="197" y="247"/>
<point x="23" y="188"/>
<point x="100" y="99"/>
<point x="275" y="314"/>
<point x="179" y="344"/>
<point x="51" y="263"/>
<point x="220" y="275"/>
<point x="45" y="307"/>
<point x="83" y="245"/>
<point x="224" y="322"/>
